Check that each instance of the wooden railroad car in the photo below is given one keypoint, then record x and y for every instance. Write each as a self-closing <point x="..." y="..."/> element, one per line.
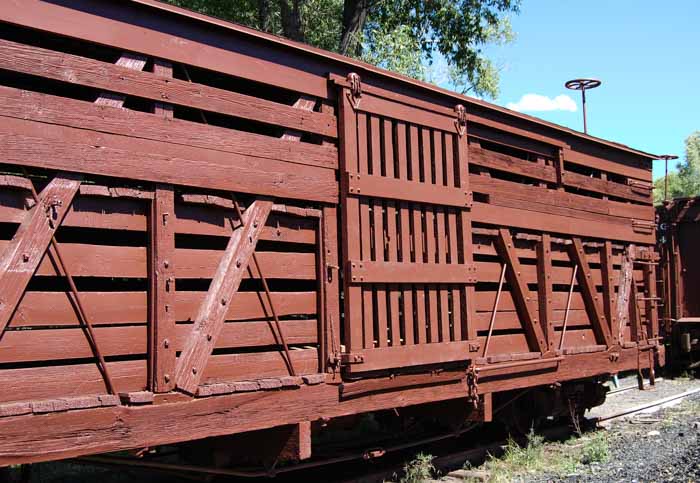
<point x="679" y="234"/>
<point x="209" y="231"/>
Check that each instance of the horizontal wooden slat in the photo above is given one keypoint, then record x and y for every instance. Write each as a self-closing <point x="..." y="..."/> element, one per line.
<point x="54" y="344"/>
<point x="120" y="214"/>
<point x="402" y="112"/>
<point x="557" y="200"/>
<point x="607" y="165"/>
<point x="70" y="380"/>
<point x="50" y="109"/>
<point x="120" y="261"/>
<point x="94" y="22"/>
<point x="239" y="367"/>
<point x="398" y="189"/>
<point x="114" y="78"/>
<point x="522" y="218"/>
<point x="597" y="185"/>
<point x="484" y="301"/>
<point x="53" y="308"/>
<point x="510" y="164"/>
<point x="398" y="272"/>
<point x="412" y="355"/>
<point x="50" y="146"/>
<point x="481" y="248"/>
<point x="509" y="320"/>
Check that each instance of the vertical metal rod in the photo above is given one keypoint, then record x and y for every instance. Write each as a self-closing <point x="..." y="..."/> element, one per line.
<point x="568" y="306"/>
<point x="269" y="296"/>
<point x="666" y="180"/>
<point x="583" y="102"/>
<point x="59" y="262"/>
<point x="495" y="309"/>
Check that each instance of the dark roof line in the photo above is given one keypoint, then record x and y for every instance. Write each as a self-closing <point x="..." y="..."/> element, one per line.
<point x="380" y="72"/>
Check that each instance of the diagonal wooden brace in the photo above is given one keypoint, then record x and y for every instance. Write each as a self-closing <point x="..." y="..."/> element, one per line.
<point x="22" y="256"/>
<point x="520" y="291"/>
<point x="589" y="293"/>
<point x="210" y="318"/>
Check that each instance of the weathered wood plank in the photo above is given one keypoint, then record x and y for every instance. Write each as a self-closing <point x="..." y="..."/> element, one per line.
<point x="210" y="318"/>
<point x="21" y="104"/>
<point x="162" y="290"/>
<point x="102" y="75"/>
<point x="28" y="143"/>
<point x="22" y="255"/>
<point x="129" y="61"/>
<point x="589" y="292"/>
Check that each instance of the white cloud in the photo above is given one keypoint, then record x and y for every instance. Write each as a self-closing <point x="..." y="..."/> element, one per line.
<point x="536" y="102"/>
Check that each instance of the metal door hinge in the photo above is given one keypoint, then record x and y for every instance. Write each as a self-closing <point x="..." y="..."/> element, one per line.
<point x="461" y="121"/>
<point x="355" y="94"/>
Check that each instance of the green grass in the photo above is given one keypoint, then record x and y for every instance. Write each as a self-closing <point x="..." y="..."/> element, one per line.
<point x="537" y="456"/>
<point x="419" y="469"/>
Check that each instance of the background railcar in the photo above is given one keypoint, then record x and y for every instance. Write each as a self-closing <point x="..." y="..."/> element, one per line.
<point x="211" y="231"/>
<point x="679" y="234"/>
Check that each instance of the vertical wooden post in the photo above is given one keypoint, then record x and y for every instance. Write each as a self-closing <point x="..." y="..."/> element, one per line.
<point x="544" y="288"/>
<point x="651" y="302"/>
<point x="165" y="69"/>
<point x="606" y="271"/>
<point x="161" y="306"/>
<point x="330" y="281"/>
<point x="468" y="305"/>
<point x="624" y="293"/>
<point x="351" y="207"/>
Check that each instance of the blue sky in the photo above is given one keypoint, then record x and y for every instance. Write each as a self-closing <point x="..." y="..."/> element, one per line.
<point x="647" y="53"/>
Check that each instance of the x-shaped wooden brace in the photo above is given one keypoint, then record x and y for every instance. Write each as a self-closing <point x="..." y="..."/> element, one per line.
<point x="212" y="313"/>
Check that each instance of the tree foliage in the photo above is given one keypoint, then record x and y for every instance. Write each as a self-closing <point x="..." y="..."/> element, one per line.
<point x="401" y="35"/>
<point x="686" y="180"/>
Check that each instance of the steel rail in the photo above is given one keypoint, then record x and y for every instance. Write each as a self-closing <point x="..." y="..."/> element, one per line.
<point x="637" y="409"/>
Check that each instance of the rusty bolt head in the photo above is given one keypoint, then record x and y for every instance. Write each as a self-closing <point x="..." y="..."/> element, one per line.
<point x="166" y="377"/>
<point x="238" y="263"/>
<point x="25" y="257"/>
<point x="166" y="263"/>
<point x="223" y="302"/>
<point x="166" y="343"/>
<point x="209" y="337"/>
<point x="194" y="370"/>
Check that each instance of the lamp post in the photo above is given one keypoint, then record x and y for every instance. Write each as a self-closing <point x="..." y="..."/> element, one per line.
<point x="583" y="85"/>
<point x="666" y="157"/>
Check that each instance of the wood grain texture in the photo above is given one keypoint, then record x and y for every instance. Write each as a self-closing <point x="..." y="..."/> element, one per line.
<point x="22" y="104"/>
<point x="22" y="255"/>
<point x="123" y="80"/>
<point x="210" y="317"/>
<point x="28" y="143"/>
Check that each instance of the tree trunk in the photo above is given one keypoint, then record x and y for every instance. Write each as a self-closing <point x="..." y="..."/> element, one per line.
<point x="264" y="16"/>
<point x="291" y="19"/>
<point x="354" y="18"/>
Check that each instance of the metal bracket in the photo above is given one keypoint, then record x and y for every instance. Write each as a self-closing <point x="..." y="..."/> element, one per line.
<point x="348" y="358"/>
<point x="643" y="226"/>
<point x="461" y="121"/>
<point x="355" y="94"/>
